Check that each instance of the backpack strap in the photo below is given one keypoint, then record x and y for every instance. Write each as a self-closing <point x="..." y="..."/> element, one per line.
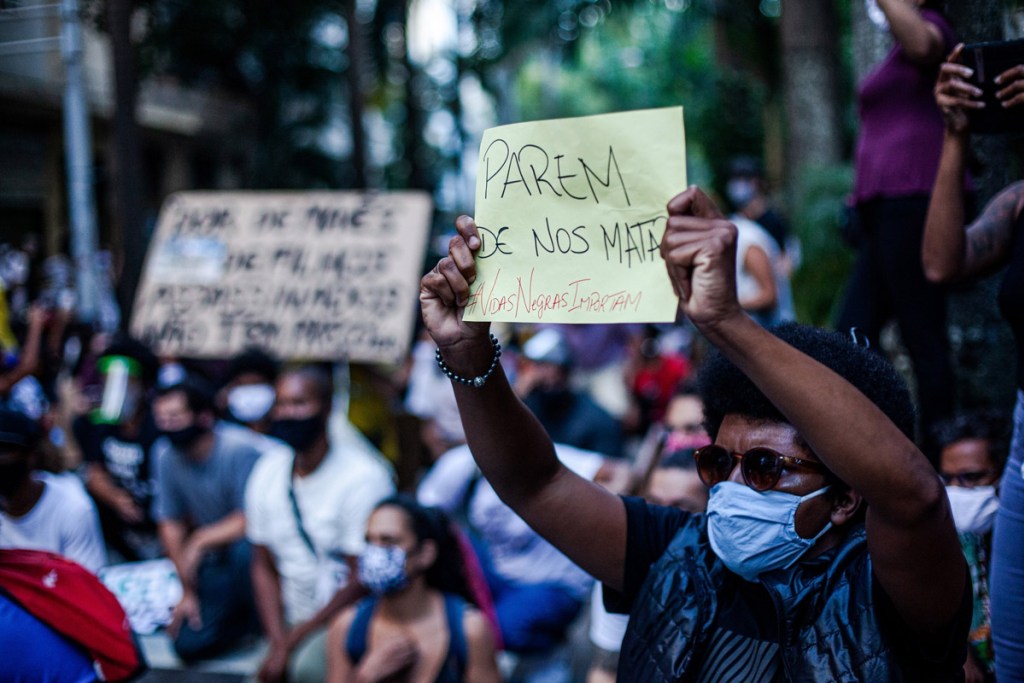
<point x="455" y="610"/>
<point x="355" y="644"/>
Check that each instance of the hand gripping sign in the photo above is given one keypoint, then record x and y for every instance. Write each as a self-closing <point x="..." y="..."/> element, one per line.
<point x="571" y="214"/>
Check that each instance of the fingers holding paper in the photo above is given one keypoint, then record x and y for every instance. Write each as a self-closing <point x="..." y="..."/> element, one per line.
<point x="444" y="291"/>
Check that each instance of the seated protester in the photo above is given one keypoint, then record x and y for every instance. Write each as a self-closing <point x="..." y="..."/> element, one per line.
<point x="569" y="416"/>
<point x="673" y="483"/>
<point x="653" y="372"/>
<point x="306" y="519"/>
<point x="684" y="420"/>
<point x="789" y="575"/>
<point x="421" y="623"/>
<point x="40" y="510"/>
<point x="247" y="389"/>
<point x="973" y="448"/>
<point x="116" y="440"/>
<point x="537" y="591"/>
<point x="202" y="468"/>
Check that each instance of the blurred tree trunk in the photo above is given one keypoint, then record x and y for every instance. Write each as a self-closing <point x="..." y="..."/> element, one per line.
<point x="810" y="34"/>
<point x="129" y="231"/>
<point x="356" y="93"/>
<point x="414" y="115"/>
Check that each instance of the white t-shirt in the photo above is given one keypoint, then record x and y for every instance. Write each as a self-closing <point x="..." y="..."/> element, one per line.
<point x="517" y="552"/>
<point x="430" y="395"/>
<point x="335" y="500"/>
<point x="63" y="521"/>
<point x="606" y="629"/>
<point x="750" y="234"/>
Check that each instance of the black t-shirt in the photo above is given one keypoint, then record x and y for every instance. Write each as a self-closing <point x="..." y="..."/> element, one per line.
<point x="126" y="458"/>
<point x="745" y="643"/>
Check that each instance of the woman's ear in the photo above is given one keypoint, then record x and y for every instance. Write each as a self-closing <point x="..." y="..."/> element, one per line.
<point x="426" y="555"/>
<point x="845" y="504"/>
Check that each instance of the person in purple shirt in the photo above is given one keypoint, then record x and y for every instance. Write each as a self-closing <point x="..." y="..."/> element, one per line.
<point x="896" y="160"/>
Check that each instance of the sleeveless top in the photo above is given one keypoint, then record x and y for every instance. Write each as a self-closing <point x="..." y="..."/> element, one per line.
<point x="454" y="667"/>
<point x="1011" y="295"/>
<point x="901" y="128"/>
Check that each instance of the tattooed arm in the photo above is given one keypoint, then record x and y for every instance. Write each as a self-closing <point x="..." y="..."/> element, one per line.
<point x="948" y="252"/>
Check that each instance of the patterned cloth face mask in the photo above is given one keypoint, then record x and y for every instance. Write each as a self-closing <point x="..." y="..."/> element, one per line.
<point x="382" y="569"/>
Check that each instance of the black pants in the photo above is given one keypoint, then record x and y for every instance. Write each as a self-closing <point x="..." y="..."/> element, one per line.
<point x="888" y="282"/>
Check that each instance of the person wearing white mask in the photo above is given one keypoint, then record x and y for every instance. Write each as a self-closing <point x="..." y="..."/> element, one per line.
<point x="973" y="450"/>
<point x="247" y="392"/>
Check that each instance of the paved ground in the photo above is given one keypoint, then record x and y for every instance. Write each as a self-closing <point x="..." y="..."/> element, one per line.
<point x="165" y="667"/>
<point x="241" y="664"/>
<point x="180" y="675"/>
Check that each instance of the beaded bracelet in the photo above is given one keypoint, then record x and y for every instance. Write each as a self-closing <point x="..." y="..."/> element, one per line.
<point x="475" y="382"/>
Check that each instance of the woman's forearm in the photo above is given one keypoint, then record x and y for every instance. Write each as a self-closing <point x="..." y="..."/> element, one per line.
<point x="944" y="248"/>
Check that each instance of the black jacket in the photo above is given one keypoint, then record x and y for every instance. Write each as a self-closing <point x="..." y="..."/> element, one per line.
<point x="835" y="623"/>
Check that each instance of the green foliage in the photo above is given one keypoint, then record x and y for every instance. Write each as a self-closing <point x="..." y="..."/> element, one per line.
<point x="730" y="122"/>
<point x="648" y="57"/>
<point x="826" y="261"/>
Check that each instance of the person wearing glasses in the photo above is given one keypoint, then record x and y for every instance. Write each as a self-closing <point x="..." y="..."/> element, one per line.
<point x="971" y="457"/>
<point x="828" y="551"/>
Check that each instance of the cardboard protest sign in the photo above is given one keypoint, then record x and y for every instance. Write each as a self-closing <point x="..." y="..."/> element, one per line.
<point x="571" y="213"/>
<point x="311" y="275"/>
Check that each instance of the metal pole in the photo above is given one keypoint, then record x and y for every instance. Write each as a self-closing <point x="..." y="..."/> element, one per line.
<point x="78" y="159"/>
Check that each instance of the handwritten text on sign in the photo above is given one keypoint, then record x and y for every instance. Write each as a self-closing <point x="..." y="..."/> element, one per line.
<point x="323" y="275"/>
<point x="571" y="214"/>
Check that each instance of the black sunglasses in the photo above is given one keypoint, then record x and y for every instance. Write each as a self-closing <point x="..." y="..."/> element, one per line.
<point x="761" y="467"/>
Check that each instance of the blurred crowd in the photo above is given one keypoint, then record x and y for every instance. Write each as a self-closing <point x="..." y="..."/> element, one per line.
<point x="251" y="478"/>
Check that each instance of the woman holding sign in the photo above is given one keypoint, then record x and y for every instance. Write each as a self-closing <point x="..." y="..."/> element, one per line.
<point x="807" y="428"/>
<point x="953" y="252"/>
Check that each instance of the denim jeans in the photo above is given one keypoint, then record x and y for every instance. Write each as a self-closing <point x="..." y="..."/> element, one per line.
<point x="226" y="604"/>
<point x="1007" y="576"/>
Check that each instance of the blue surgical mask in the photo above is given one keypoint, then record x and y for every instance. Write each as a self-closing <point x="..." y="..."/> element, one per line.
<point x="753" y="532"/>
<point x="382" y="569"/>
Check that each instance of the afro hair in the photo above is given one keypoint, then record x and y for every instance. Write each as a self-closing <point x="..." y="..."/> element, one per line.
<point x="727" y="391"/>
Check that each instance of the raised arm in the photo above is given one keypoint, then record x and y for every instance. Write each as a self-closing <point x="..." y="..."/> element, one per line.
<point x="515" y="454"/>
<point x="950" y="252"/>
<point x="911" y="538"/>
<point x="28" y="362"/>
<point x="921" y="39"/>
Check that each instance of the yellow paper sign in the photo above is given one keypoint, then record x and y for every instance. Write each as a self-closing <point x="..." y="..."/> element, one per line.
<point x="571" y="214"/>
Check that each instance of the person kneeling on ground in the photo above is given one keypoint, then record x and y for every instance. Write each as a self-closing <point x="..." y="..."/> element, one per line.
<point x="828" y="551"/>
